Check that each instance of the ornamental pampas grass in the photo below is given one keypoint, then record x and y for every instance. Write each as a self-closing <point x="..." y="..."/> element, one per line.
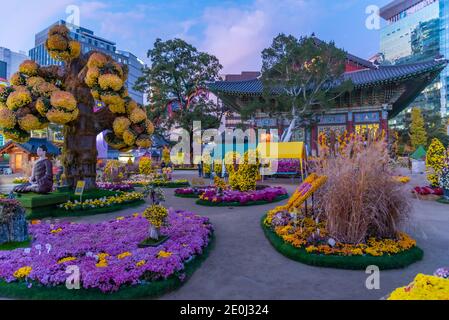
<point x="360" y="199"/>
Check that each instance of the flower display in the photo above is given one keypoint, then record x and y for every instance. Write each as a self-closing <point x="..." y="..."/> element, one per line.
<point x="288" y="166"/>
<point x="442" y="273"/>
<point x="16" y="134"/>
<point x="18" y="99"/>
<point x="29" y="68"/>
<point x="269" y="194"/>
<point x="7" y="118"/>
<point x="138" y="115"/>
<point x="145" y="165"/>
<point x="402" y="179"/>
<point x="444" y="178"/>
<point x="424" y="191"/>
<point x="193" y="192"/>
<point x="124" y="187"/>
<point x="123" y="198"/>
<point x="20" y="180"/>
<point x="120" y="125"/>
<point x="156" y="215"/>
<point x="63" y="100"/>
<point x="60" y="46"/>
<point x="111" y="259"/>
<point x="423" y="287"/>
<point x="110" y="82"/>
<point x="30" y="122"/>
<point x="435" y="161"/>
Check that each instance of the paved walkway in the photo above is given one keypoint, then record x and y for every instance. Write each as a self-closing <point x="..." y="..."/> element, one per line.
<point x="243" y="265"/>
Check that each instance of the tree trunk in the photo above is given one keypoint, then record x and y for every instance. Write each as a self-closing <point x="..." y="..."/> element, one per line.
<point x="80" y="149"/>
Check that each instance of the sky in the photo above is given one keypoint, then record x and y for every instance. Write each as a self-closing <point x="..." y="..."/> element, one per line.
<point x="235" y="31"/>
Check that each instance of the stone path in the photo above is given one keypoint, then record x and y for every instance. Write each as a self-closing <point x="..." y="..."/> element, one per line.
<point x="243" y="265"/>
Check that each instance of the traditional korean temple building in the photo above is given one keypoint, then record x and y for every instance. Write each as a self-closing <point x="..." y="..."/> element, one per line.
<point x="379" y="94"/>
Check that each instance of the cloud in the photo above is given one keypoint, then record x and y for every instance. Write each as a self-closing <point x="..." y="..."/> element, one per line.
<point x="238" y="35"/>
<point x="21" y="20"/>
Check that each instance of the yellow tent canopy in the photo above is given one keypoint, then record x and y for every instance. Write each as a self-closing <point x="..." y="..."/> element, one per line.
<point x="284" y="150"/>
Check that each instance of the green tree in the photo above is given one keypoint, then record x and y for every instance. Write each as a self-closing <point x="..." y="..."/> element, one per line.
<point x="436" y="127"/>
<point x="301" y="78"/>
<point x="178" y="71"/>
<point x="418" y="134"/>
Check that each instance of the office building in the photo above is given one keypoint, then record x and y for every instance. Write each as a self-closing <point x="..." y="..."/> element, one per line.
<point x="417" y="30"/>
<point x="12" y="60"/>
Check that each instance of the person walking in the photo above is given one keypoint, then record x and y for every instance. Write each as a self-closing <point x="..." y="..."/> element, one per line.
<point x="200" y="169"/>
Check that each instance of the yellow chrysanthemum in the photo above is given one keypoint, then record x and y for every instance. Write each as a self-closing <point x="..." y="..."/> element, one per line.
<point x="124" y="255"/>
<point x="18" y="99"/>
<point x="143" y="142"/>
<point x="95" y="94"/>
<point x="110" y="82"/>
<point x="22" y="272"/>
<point x="29" y="67"/>
<point x="140" y="263"/>
<point x="92" y="76"/>
<point x="119" y="69"/>
<point x="129" y="137"/>
<point x="64" y="100"/>
<point x="35" y="82"/>
<point x="115" y="103"/>
<point x="120" y="125"/>
<point x="66" y="259"/>
<point x="164" y="254"/>
<point x="46" y="89"/>
<point x="130" y="106"/>
<point x="17" y="79"/>
<point x="31" y="122"/>
<point x="149" y="127"/>
<point x="58" y="29"/>
<point x="41" y="107"/>
<point x="97" y="60"/>
<point x="75" y="49"/>
<point x="7" y="118"/>
<point x="137" y="115"/>
<point x="59" y="116"/>
<point x="16" y="134"/>
<point x="57" y="42"/>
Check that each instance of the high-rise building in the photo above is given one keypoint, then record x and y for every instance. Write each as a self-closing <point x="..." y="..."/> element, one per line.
<point x="12" y="60"/>
<point x="3" y="68"/>
<point x="417" y="30"/>
<point x="90" y="42"/>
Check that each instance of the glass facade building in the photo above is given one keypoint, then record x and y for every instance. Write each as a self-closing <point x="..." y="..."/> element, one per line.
<point x="12" y="60"/>
<point x="417" y="30"/>
<point x="89" y="41"/>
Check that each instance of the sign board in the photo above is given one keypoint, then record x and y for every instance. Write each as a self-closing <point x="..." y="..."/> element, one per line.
<point x="80" y="188"/>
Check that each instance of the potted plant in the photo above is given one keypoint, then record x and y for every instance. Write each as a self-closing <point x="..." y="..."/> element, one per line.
<point x="157" y="217"/>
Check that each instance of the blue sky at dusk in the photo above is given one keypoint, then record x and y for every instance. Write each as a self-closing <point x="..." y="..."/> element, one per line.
<point x="234" y="31"/>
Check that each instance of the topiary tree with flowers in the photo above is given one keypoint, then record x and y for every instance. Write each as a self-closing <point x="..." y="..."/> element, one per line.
<point x="66" y="95"/>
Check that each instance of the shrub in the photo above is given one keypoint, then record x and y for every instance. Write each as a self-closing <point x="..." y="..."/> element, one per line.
<point x="145" y="166"/>
<point x="435" y="162"/>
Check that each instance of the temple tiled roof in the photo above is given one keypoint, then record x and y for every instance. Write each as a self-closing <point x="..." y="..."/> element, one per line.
<point x="361" y="78"/>
<point x="34" y="143"/>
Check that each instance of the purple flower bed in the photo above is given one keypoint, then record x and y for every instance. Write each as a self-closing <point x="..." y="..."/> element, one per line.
<point x="193" y="191"/>
<point x="442" y="273"/>
<point x="231" y="196"/>
<point x="288" y="165"/>
<point x="125" y="263"/>
<point x="115" y="186"/>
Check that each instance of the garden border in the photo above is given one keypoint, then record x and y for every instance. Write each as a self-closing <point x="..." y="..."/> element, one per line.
<point x="152" y="290"/>
<point x="201" y="202"/>
<point x="60" y="212"/>
<point x="385" y="262"/>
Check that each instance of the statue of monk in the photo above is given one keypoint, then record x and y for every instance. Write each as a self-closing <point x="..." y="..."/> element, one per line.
<point x="41" y="180"/>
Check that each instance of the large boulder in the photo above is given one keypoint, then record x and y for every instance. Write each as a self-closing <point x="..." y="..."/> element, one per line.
<point x="13" y="224"/>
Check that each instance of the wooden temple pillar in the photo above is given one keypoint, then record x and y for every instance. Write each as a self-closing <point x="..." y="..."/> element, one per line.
<point x="350" y="123"/>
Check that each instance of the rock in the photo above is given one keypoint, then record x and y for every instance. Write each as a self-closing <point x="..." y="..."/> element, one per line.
<point x="13" y="225"/>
